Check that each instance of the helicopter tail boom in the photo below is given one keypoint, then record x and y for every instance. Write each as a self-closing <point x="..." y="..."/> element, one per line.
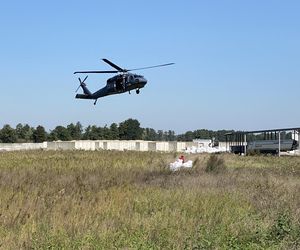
<point x="83" y="96"/>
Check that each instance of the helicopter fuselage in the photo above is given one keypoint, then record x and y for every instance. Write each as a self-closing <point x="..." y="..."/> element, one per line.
<point x="116" y="85"/>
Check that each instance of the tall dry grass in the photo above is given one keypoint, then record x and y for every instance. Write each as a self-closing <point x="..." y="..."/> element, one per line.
<point x="131" y="200"/>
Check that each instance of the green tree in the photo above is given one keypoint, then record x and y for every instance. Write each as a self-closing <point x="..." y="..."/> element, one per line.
<point x="130" y="130"/>
<point x="19" y="133"/>
<point x="24" y="133"/>
<point x="75" y="131"/>
<point x="60" y="133"/>
<point x="105" y="133"/>
<point x="171" y="135"/>
<point x="39" y="134"/>
<point x="160" y="135"/>
<point x="93" y="133"/>
<point x="189" y="136"/>
<point x="149" y="134"/>
<point x="86" y="134"/>
<point x="8" y="134"/>
<point x="114" y="131"/>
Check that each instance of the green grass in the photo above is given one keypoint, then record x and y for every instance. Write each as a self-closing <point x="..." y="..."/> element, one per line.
<point x="130" y="200"/>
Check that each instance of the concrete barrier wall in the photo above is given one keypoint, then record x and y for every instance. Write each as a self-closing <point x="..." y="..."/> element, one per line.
<point x="181" y="146"/>
<point x="101" y="145"/>
<point x="114" y="145"/>
<point x="127" y="145"/>
<point x="85" y="145"/>
<point x="151" y="146"/>
<point x="22" y="146"/>
<point x="61" y="145"/>
<point x="141" y="145"/>
<point x="162" y="146"/>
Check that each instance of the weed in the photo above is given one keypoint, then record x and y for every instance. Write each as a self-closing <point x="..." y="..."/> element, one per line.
<point x="215" y="164"/>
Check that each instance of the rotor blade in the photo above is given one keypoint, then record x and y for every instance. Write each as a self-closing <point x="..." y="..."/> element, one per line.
<point x="161" y="65"/>
<point x="77" y="89"/>
<point x="114" y="65"/>
<point x="96" y="71"/>
<point x="84" y="79"/>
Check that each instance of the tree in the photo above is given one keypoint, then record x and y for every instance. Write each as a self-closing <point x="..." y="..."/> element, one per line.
<point x="24" y="133"/>
<point x="150" y="134"/>
<point x="75" y="131"/>
<point x="8" y="134"/>
<point x="171" y="136"/>
<point x="93" y="133"/>
<point x="130" y="130"/>
<point x="189" y="136"/>
<point x="19" y="133"/>
<point x="60" y="133"/>
<point x="114" y="131"/>
<point x="39" y="134"/>
<point x="160" y="135"/>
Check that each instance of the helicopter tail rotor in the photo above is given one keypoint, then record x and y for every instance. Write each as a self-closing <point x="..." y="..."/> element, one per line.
<point x="82" y="83"/>
<point x="86" y="92"/>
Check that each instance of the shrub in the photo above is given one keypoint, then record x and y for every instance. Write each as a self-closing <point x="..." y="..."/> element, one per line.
<point x="282" y="227"/>
<point x="215" y="164"/>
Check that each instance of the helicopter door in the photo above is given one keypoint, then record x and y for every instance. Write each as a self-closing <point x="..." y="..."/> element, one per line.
<point x="119" y="85"/>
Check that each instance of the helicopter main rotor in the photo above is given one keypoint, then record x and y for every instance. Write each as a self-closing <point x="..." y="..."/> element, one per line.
<point x="119" y="69"/>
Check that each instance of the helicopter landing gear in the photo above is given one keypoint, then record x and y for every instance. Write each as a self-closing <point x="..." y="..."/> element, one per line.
<point x="95" y="102"/>
<point x="137" y="91"/>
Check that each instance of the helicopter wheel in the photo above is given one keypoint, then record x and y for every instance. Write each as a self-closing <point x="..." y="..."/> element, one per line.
<point x="137" y="91"/>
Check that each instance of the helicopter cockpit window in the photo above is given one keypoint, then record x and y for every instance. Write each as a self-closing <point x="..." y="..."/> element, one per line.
<point x="131" y="78"/>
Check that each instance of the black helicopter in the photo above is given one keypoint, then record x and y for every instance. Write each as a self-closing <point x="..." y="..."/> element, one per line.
<point x="117" y="84"/>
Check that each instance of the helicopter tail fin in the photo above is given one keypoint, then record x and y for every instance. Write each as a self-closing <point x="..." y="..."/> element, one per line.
<point x="85" y="89"/>
<point x="83" y="86"/>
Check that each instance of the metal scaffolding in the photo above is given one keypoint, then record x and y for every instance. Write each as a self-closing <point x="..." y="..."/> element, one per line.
<point x="236" y="142"/>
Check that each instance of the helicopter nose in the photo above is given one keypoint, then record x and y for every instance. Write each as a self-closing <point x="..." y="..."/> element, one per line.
<point x="144" y="81"/>
<point x="141" y="81"/>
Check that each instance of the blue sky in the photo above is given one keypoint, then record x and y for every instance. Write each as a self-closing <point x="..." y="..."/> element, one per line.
<point x="237" y="62"/>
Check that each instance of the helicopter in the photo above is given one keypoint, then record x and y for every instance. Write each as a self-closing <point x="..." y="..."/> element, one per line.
<point x="118" y="84"/>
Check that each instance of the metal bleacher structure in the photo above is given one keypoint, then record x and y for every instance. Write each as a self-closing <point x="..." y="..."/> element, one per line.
<point x="270" y="141"/>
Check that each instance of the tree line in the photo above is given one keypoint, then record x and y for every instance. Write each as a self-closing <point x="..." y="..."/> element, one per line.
<point x="129" y="129"/>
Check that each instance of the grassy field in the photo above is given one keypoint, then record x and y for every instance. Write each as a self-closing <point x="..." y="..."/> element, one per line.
<point x="130" y="200"/>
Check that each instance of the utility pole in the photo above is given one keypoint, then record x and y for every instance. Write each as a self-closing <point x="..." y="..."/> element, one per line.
<point x="279" y="143"/>
<point x="245" y="143"/>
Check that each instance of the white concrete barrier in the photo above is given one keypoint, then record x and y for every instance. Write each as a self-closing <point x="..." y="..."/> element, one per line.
<point x="22" y="146"/>
<point x="162" y="146"/>
<point x="181" y="146"/>
<point x="141" y="145"/>
<point x="119" y="145"/>
<point x="61" y="145"/>
<point x="85" y="145"/>
<point x="151" y="146"/>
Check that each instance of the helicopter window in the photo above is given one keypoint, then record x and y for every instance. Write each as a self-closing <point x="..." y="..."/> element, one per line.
<point x="119" y="84"/>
